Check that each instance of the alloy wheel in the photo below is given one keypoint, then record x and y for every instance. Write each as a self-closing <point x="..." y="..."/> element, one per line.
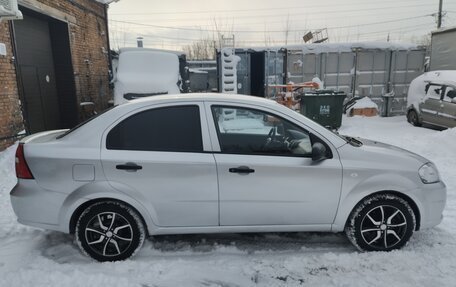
<point x="383" y="227"/>
<point x="108" y="234"/>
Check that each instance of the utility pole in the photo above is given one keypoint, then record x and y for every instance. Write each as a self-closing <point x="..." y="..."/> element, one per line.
<point x="439" y="16"/>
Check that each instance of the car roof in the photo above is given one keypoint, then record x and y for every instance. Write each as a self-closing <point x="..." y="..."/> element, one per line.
<point x="444" y="77"/>
<point x="201" y="97"/>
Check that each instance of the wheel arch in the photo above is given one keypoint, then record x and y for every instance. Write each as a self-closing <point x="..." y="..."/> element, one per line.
<point x="401" y="195"/>
<point x="80" y="209"/>
<point x="414" y="109"/>
<point x="99" y="191"/>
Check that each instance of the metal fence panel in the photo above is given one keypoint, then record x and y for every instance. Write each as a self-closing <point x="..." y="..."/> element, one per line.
<point x="405" y="66"/>
<point x="243" y="74"/>
<point x="373" y="72"/>
<point x="274" y="71"/>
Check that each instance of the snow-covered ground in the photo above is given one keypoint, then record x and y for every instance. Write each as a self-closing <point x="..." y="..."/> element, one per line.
<point x="31" y="257"/>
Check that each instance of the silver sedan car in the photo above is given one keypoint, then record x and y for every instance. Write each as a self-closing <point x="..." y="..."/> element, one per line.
<point x="217" y="163"/>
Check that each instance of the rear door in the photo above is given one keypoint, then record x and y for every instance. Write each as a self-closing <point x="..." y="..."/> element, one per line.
<point x="159" y="155"/>
<point x="265" y="181"/>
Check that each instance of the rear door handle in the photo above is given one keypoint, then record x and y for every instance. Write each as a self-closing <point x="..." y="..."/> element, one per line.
<point x="129" y="166"/>
<point x="242" y="170"/>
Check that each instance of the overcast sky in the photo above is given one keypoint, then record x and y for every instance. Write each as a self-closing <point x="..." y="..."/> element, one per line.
<point x="171" y="24"/>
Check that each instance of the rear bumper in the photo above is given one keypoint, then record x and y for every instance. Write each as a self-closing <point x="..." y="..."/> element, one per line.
<point x="36" y="206"/>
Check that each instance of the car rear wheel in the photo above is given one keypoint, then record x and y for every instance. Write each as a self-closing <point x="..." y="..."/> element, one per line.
<point x="412" y="117"/>
<point x="109" y="231"/>
<point x="382" y="222"/>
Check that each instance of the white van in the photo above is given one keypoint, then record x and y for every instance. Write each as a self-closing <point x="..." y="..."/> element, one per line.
<point x="432" y="99"/>
<point x="145" y="72"/>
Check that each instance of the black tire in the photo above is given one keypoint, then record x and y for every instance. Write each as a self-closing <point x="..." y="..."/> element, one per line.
<point x="109" y="231"/>
<point x="412" y="117"/>
<point x="382" y="222"/>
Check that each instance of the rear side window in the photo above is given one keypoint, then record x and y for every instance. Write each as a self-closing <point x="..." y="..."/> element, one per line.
<point x="173" y="129"/>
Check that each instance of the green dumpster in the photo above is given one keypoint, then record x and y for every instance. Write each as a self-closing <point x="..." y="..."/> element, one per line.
<point x="324" y="107"/>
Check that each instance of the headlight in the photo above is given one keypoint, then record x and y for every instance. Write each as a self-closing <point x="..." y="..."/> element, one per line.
<point x="429" y="173"/>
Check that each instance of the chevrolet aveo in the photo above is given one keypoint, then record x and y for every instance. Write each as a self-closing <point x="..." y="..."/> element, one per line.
<point x="218" y="163"/>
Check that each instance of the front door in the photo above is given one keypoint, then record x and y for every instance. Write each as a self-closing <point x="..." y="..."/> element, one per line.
<point x="448" y="113"/>
<point x="159" y="156"/>
<point x="266" y="174"/>
<point x="432" y="104"/>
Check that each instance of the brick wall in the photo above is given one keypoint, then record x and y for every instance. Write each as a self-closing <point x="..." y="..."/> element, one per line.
<point x="89" y="52"/>
<point x="10" y="108"/>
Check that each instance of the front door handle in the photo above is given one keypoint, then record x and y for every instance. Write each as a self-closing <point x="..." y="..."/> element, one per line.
<point x="242" y="170"/>
<point x="129" y="166"/>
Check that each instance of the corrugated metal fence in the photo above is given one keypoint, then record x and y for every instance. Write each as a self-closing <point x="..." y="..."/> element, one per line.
<point x="383" y="75"/>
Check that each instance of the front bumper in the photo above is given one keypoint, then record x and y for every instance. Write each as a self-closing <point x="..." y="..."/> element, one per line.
<point x="433" y="200"/>
<point x="36" y="206"/>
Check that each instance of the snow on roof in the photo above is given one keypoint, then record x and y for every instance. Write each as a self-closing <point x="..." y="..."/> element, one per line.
<point x="444" y="30"/>
<point x="338" y="47"/>
<point x="365" y="103"/>
<point x="440" y="77"/>
<point x="197" y="71"/>
<point x="106" y="1"/>
<point x="203" y="62"/>
<point x="178" y="53"/>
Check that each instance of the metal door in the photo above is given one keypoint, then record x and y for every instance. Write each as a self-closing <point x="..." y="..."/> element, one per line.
<point x="274" y="71"/>
<point x="243" y="74"/>
<point x="406" y="65"/>
<point x="36" y="68"/>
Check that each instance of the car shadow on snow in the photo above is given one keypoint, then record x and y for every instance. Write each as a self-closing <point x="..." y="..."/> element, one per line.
<point x="433" y="127"/>
<point x="62" y="249"/>
<point x="250" y="242"/>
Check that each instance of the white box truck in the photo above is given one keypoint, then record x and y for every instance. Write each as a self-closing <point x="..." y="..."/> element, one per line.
<point x="443" y="49"/>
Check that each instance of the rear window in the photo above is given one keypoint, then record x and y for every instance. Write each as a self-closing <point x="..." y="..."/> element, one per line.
<point x="173" y="129"/>
<point x="83" y="123"/>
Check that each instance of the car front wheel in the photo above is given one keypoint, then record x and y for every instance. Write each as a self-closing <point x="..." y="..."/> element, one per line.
<point x="109" y="231"/>
<point x="412" y="117"/>
<point x="383" y="222"/>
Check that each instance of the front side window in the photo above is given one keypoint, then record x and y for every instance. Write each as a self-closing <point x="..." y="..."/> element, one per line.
<point x="434" y="91"/>
<point x="172" y="129"/>
<point x="249" y="131"/>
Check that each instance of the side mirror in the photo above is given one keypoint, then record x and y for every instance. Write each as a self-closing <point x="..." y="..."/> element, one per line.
<point x="318" y="152"/>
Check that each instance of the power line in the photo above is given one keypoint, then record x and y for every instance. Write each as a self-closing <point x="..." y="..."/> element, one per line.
<point x="151" y="38"/>
<point x="262" y="31"/>
<point x="307" y="13"/>
<point x="199" y="38"/>
<point x="237" y="23"/>
<point x="255" y="9"/>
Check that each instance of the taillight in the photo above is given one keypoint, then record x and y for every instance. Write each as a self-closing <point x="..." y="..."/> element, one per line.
<point x="22" y="169"/>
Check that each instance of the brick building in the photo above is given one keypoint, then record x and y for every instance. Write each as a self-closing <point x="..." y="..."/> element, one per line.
<point x="57" y="57"/>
